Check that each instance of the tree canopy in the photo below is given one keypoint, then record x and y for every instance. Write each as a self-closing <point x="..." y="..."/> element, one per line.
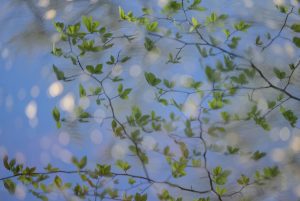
<point x="204" y="131"/>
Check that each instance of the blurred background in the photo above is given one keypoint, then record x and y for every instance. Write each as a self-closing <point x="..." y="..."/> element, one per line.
<point x="29" y="90"/>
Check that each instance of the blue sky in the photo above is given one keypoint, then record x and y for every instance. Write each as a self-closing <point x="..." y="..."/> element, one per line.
<point x="27" y="130"/>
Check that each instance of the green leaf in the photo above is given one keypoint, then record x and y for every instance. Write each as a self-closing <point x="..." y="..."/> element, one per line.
<point x="104" y="170"/>
<point x="81" y="114"/>
<point x="140" y="197"/>
<point x="131" y="181"/>
<point x="152" y="27"/>
<point x="124" y="94"/>
<point x="279" y="74"/>
<point x="87" y="21"/>
<point x="271" y="104"/>
<point x="98" y="69"/>
<point x="82" y="163"/>
<point x="203" y="199"/>
<point x="124" y="59"/>
<point x="241" y="26"/>
<point x="10" y="186"/>
<point x="120" y="88"/>
<point x="56" y="51"/>
<point x="56" y="116"/>
<point x="59" y="26"/>
<point x="258" y="42"/>
<point x="151" y="79"/>
<point x="270" y="172"/>
<point x="227" y="33"/>
<point x="168" y="84"/>
<point x="122" y="13"/>
<point x="282" y="8"/>
<point x="212" y="18"/>
<point x="146" y="11"/>
<point x="250" y="72"/>
<point x="58" y="182"/>
<point x="82" y="92"/>
<point x="202" y="51"/>
<point x="172" y="7"/>
<point x="290" y="116"/>
<point x="221" y="191"/>
<point x="296" y="41"/>
<point x="243" y="180"/>
<point x="195" y="6"/>
<point x="5" y="162"/>
<point x="59" y="74"/>
<point x="241" y="79"/>
<point x="114" y="124"/>
<point x="188" y="129"/>
<point x="196" y="163"/>
<point x="178" y="169"/>
<point x="149" y="44"/>
<point x="258" y="155"/>
<point x="232" y="150"/>
<point x="225" y="116"/>
<point x="195" y="22"/>
<point x="220" y="176"/>
<point x="90" y="69"/>
<point x="163" y="101"/>
<point x="212" y="75"/>
<point x="123" y="165"/>
<point x="296" y="27"/>
<point x="215" y="104"/>
<point x="234" y="42"/>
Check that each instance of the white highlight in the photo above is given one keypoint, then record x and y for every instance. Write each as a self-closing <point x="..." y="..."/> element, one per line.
<point x="135" y="70"/>
<point x="43" y="3"/>
<point x="278" y="155"/>
<point x="35" y="91"/>
<point x="55" y="89"/>
<point x="284" y="133"/>
<point x="99" y="115"/>
<point x="295" y="144"/>
<point x="119" y="150"/>
<point x="84" y="102"/>
<point x="96" y="136"/>
<point x="20" y="158"/>
<point x="149" y="142"/>
<point x="31" y="110"/>
<point x="67" y="103"/>
<point x="20" y="192"/>
<point x="117" y="70"/>
<point x="50" y="14"/>
<point x="64" y="138"/>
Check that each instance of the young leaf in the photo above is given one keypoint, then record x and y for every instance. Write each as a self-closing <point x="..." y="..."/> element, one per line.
<point x="59" y="74"/>
<point x="258" y="155"/>
<point x="243" y="180"/>
<point x="123" y="165"/>
<point x="98" y="69"/>
<point x="290" y="116"/>
<point x="296" y="41"/>
<point x="10" y="186"/>
<point x="82" y="92"/>
<point x="152" y="27"/>
<point x="151" y="79"/>
<point x="241" y="26"/>
<point x="58" y="182"/>
<point x="82" y="162"/>
<point x="56" y="114"/>
<point x="296" y="27"/>
<point x="279" y="74"/>
<point x="122" y="13"/>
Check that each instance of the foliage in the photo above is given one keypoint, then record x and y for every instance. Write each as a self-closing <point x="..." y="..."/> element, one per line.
<point x="226" y="77"/>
